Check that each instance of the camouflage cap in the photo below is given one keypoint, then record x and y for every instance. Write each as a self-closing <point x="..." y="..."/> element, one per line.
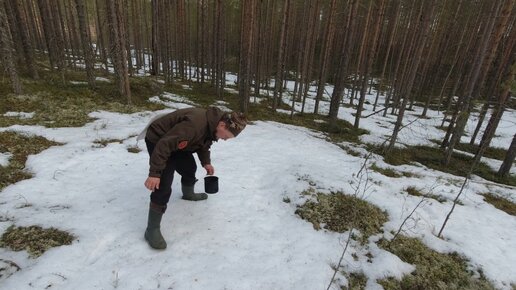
<point x="235" y="122"/>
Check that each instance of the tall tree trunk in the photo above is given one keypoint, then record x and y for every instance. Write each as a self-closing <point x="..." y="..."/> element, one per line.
<point x="244" y="78"/>
<point x="368" y="62"/>
<point x="34" y="27"/>
<point x="505" y="168"/>
<point x="465" y="106"/>
<point x="100" y="37"/>
<point x="17" y="45"/>
<point x="203" y="21"/>
<point x="156" y="55"/>
<point x="395" y="79"/>
<point x="495" y="40"/>
<point x="325" y="56"/>
<point x="27" y="45"/>
<point x="117" y="45"/>
<point x="85" y="39"/>
<point x="309" y="54"/>
<point x="257" y="45"/>
<point x="342" y="69"/>
<point x="454" y="62"/>
<point x="6" y="42"/>
<point x="393" y="32"/>
<point x="127" y="38"/>
<point x="49" y="32"/>
<point x="304" y="74"/>
<point x="509" y="81"/>
<point x="281" y="60"/>
<point x="70" y="31"/>
<point x="425" y="28"/>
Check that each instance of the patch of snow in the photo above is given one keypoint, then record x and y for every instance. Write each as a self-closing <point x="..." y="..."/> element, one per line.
<point x="4" y="158"/>
<point x="231" y="90"/>
<point x="21" y="115"/>
<point x="102" y="79"/>
<point x="283" y="111"/>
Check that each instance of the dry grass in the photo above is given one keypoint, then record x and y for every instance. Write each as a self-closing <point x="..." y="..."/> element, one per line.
<point x="433" y="270"/>
<point x="34" y="239"/>
<point x="340" y="212"/>
<point x="432" y="157"/>
<point x="356" y="281"/>
<point x="134" y="149"/>
<point x="501" y="203"/>
<point x="101" y="143"/>
<point x="412" y="190"/>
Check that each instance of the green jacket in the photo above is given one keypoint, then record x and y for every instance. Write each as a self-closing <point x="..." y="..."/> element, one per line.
<point x="189" y="130"/>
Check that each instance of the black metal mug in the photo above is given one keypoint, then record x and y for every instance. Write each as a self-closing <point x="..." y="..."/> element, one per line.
<point x="211" y="184"/>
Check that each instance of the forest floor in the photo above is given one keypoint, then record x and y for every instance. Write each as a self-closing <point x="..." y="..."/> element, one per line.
<point x="292" y="196"/>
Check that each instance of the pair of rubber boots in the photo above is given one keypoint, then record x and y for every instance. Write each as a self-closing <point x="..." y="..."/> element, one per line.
<point x="153" y="232"/>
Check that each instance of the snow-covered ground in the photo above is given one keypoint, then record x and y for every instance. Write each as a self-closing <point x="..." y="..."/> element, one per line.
<point x="245" y="236"/>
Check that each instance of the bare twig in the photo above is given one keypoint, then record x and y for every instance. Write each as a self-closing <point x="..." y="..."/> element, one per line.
<point x="360" y="176"/>
<point x="476" y="161"/>
<point x="454" y="203"/>
<point x="374" y="113"/>
<point x="424" y="198"/>
<point x="406" y="218"/>
<point x="341" y="258"/>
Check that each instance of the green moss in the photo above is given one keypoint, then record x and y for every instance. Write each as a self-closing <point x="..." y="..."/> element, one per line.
<point x="134" y="149"/>
<point x="343" y="130"/>
<point x="385" y="171"/>
<point x="350" y="151"/>
<point x="432" y="157"/>
<point x="34" y="239"/>
<point x="20" y="146"/>
<point x="500" y="203"/>
<point x="58" y="104"/>
<point x="412" y="190"/>
<point x="340" y="212"/>
<point x="491" y="152"/>
<point x="356" y="281"/>
<point x="433" y="270"/>
<point x="100" y="143"/>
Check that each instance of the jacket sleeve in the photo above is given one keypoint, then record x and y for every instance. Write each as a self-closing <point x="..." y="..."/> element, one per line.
<point x="204" y="155"/>
<point x="168" y="144"/>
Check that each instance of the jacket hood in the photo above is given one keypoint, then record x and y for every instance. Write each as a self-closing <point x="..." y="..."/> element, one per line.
<point x="213" y="115"/>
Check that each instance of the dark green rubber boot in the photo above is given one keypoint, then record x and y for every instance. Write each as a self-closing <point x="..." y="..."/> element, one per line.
<point x="188" y="193"/>
<point x="153" y="233"/>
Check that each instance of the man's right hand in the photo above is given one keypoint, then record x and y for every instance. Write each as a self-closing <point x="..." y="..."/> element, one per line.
<point x="152" y="183"/>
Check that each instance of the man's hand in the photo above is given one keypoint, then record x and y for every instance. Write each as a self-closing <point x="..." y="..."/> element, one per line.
<point x="152" y="183"/>
<point x="209" y="169"/>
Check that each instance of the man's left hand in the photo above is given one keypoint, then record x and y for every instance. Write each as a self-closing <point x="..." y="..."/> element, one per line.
<point x="209" y="169"/>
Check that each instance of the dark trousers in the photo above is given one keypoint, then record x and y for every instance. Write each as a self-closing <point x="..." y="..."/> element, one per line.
<point x="183" y="163"/>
